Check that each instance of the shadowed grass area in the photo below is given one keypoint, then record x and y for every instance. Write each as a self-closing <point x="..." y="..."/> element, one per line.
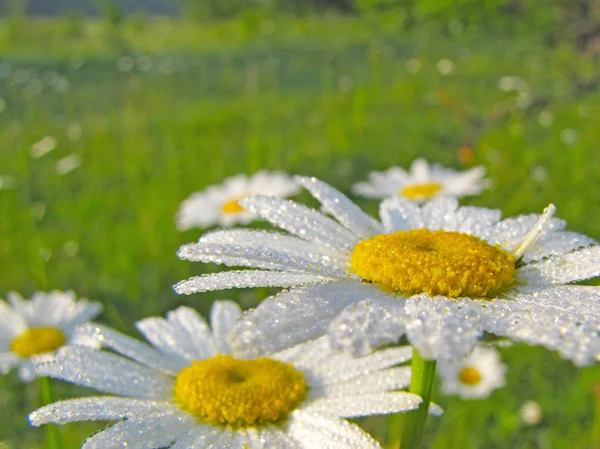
<point x="171" y="107"/>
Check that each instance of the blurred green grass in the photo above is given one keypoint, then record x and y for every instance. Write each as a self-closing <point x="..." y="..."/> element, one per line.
<point x="162" y="108"/>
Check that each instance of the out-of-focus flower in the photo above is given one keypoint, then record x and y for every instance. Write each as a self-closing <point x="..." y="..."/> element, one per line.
<point x="423" y="182"/>
<point x="219" y="203"/>
<point x="474" y="377"/>
<point x="531" y="413"/>
<point x="32" y="330"/>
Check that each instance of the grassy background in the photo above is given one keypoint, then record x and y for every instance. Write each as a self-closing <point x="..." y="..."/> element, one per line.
<point x="157" y="109"/>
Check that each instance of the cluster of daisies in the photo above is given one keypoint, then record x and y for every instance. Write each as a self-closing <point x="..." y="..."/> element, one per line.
<point x="287" y="374"/>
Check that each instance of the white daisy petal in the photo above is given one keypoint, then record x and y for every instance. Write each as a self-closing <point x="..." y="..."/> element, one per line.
<point x="314" y="431"/>
<point x="12" y="323"/>
<point x="27" y="370"/>
<point x="253" y="256"/>
<point x="223" y="316"/>
<point x="368" y="324"/>
<point x="576" y="266"/>
<point x="200" y="437"/>
<point x="509" y="232"/>
<point x="399" y="214"/>
<point x="290" y="244"/>
<point x="295" y="316"/>
<point x="302" y="221"/>
<point x="89" y="312"/>
<point x="557" y="244"/>
<point x="134" y="349"/>
<point x="386" y="380"/>
<point x="106" y="372"/>
<point x="336" y="371"/>
<point x="243" y="279"/>
<point x="270" y="438"/>
<point x="98" y="408"/>
<point x="184" y="333"/>
<point x="344" y="210"/>
<point x="364" y="405"/>
<point x="441" y="213"/>
<point x="146" y="434"/>
<point x="442" y="328"/>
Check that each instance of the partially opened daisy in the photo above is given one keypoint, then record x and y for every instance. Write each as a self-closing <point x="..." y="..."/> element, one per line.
<point x="33" y="329"/>
<point x="187" y="390"/>
<point x="475" y="376"/>
<point x="439" y="274"/>
<point x="423" y="182"/>
<point x="219" y="204"/>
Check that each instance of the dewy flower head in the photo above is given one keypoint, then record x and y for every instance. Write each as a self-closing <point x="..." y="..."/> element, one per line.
<point x="438" y="273"/>
<point x="475" y="376"/>
<point x="423" y="182"/>
<point x="189" y="392"/>
<point x="32" y="330"/>
<point x="219" y="204"/>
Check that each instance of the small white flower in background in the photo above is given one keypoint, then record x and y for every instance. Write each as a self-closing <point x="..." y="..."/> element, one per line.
<point x="219" y="204"/>
<point x="43" y="147"/>
<point x="531" y="413"/>
<point x="474" y="377"/>
<point x="31" y="330"/>
<point x="445" y="66"/>
<point x="68" y="164"/>
<point x="440" y="274"/>
<point x="187" y="390"/>
<point x="423" y="182"/>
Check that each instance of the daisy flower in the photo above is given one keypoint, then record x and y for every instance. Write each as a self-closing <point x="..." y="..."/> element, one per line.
<point x="475" y="376"/>
<point x="219" y="204"/>
<point x="531" y="413"/>
<point x="423" y="182"/>
<point x="31" y="330"/>
<point x="189" y="391"/>
<point x="438" y="273"/>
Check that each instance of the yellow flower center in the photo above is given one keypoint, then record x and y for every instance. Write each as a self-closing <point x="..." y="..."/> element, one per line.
<point x="38" y="340"/>
<point x="469" y="376"/>
<point x="240" y="393"/>
<point x="232" y="207"/>
<point x="434" y="262"/>
<point x="421" y="191"/>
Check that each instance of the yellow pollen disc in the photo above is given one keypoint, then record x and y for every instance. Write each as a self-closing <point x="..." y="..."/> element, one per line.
<point x="232" y="207"/>
<point x="469" y="376"/>
<point x="434" y="262"/>
<point x="421" y="191"/>
<point x="240" y="393"/>
<point x="38" y="340"/>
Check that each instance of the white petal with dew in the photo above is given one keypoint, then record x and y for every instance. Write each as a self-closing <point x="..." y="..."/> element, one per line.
<point x="315" y="431"/>
<point x="99" y="408"/>
<point x="292" y="317"/>
<point x="344" y="210"/>
<point x="368" y="324"/>
<point x="364" y="405"/>
<point x="184" y="334"/>
<point x="107" y="373"/>
<point x="572" y="267"/>
<point x="142" y="433"/>
<point x="302" y="221"/>
<point x="135" y="349"/>
<point x="258" y="257"/>
<point x="244" y="279"/>
<point x="223" y="316"/>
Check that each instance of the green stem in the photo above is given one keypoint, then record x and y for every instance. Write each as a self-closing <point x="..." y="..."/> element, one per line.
<point x="595" y="435"/>
<point x="52" y="430"/>
<point x="423" y="376"/>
